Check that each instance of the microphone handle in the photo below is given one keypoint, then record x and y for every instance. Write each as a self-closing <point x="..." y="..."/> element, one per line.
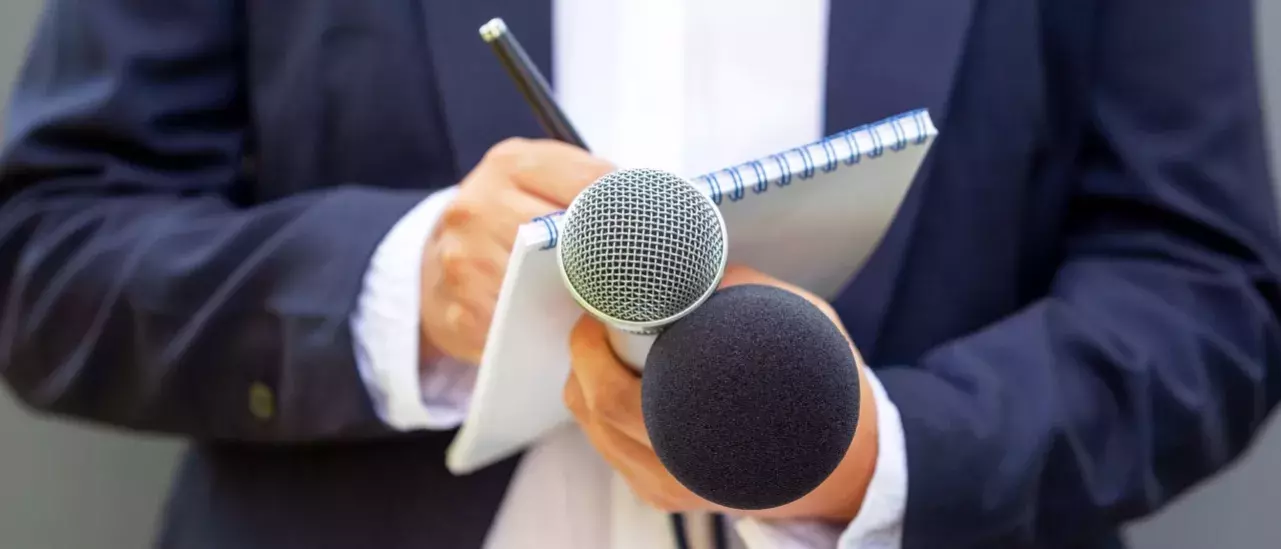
<point x="630" y="347"/>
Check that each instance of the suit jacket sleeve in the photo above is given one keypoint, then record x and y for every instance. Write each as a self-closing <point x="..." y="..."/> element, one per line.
<point x="139" y="289"/>
<point x="1157" y="353"/>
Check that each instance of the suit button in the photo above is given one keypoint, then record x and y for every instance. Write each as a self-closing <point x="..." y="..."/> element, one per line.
<point x="262" y="403"/>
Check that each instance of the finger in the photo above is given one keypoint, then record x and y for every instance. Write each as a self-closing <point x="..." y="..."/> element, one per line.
<point x="637" y="463"/>
<point x="480" y="289"/>
<point x="451" y="336"/>
<point x="471" y="324"/>
<point x="468" y="275"/>
<point x="465" y="342"/>
<point x="486" y="266"/>
<point x="471" y="270"/>
<point x="607" y="446"/>
<point x="738" y="275"/>
<point x="611" y="390"/>
<point x="469" y="317"/>
<point x="467" y="256"/>
<point x="643" y="471"/>
<point x="517" y="207"/>
<point x="556" y="171"/>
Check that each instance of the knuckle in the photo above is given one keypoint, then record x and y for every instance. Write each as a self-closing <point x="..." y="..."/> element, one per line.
<point x="508" y="150"/>
<point x="453" y="263"/>
<point x="456" y="268"/>
<point x="462" y="210"/>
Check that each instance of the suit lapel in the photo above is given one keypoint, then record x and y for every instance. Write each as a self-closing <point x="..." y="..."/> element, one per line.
<point x="885" y="58"/>
<point x="480" y="103"/>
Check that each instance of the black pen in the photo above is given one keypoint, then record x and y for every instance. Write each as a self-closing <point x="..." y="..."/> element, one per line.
<point x="530" y="82"/>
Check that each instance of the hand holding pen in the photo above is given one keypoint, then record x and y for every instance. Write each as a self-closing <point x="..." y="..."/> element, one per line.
<point x="517" y="180"/>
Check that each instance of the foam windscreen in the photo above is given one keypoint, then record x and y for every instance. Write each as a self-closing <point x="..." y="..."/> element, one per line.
<point x="752" y="400"/>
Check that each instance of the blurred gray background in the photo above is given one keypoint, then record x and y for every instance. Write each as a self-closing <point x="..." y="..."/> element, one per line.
<point x="69" y="487"/>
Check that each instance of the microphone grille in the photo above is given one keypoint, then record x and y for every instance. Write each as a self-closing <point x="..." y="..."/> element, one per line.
<point x="642" y="246"/>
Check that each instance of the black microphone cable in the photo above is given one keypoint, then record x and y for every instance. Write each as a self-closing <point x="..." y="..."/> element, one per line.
<point x="681" y="535"/>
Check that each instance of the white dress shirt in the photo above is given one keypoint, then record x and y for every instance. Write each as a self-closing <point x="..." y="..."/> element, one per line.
<point x="689" y="86"/>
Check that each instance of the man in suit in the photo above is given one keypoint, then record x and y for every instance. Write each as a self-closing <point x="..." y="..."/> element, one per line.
<point x="215" y="214"/>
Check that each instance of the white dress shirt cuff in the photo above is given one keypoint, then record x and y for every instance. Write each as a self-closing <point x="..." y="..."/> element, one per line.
<point x="879" y="524"/>
<point x="385" y="329"/>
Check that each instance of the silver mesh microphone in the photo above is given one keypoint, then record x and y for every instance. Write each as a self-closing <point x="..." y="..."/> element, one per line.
<point x="639" y="249"/>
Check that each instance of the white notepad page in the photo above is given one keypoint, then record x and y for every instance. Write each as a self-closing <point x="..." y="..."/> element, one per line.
<point x="809" y="216"/>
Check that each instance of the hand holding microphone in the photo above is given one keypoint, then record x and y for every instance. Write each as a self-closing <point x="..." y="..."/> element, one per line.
<point x="605" y="397"/>
<point x="751" y="396"/>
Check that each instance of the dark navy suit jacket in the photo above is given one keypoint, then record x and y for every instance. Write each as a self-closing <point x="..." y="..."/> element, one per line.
<point x="1079" y="297"/>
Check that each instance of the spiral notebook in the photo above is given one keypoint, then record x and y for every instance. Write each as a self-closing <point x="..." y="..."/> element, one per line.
<point x="810" y="216"/>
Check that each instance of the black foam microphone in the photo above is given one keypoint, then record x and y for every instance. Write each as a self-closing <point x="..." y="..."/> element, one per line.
<point x="752" y="399"/>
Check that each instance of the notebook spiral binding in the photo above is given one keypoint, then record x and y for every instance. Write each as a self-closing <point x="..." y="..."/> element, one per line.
<point x="551" y="222"/>
<point x="847" y="148"/>
<point x="825" y="155"/>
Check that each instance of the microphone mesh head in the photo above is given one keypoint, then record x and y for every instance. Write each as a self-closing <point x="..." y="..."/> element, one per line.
<point x="642" y="246"/>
